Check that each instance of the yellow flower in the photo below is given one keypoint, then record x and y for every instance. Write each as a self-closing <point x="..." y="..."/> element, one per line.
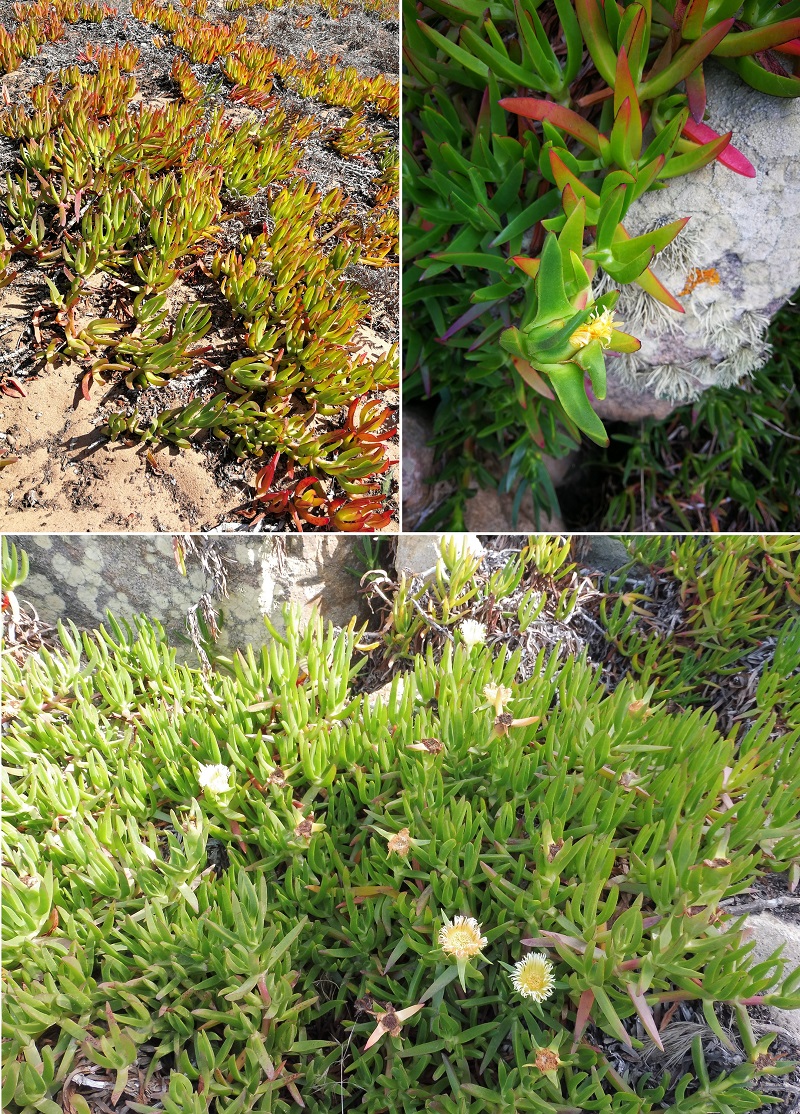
<point x="461" y="937"/>
<point x="600" y="326"/>
<point x="533" y="977"/>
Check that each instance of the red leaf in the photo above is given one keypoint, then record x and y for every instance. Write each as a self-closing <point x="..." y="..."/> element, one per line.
<point x="563" y="118"/>
<point x="645" y="1015"/>
<point x="696" y="94"/>
<point x="13" y="387"/>
<point x="730" y="157"/>
<point x="265" y="475"/>
<point x="582" y="1016"/>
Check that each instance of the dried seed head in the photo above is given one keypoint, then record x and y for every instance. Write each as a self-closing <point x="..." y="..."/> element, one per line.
<point x="400" y="842"/>
<point x="277" y="777"/>
<point x="553" y="849"/>
<point x="390" y="1021"/>
<point x="214" y="779"/>
<point x="502" y="723"/>
<point x="546" y="1060"/>
<point x="461" y="937"/>
<point x="533" y="977"/>
<point x="305" y="828"/>
<point x="432" y="746"/>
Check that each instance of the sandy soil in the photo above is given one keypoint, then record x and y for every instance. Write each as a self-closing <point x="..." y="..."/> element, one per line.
<point x="66" y="476"/>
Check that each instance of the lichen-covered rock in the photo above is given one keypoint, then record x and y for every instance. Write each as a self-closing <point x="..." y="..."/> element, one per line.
<point x="733" y="266"/>
<point x="78" y="577"/>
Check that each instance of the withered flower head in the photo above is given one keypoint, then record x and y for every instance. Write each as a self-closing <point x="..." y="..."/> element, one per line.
<point x="553" y="849"/>
<point x="391" y="1022"/>
<point x="502" y="724"/>
<point x="400" y="842"/>
<point x="306" y="828"/>
<point x="546" y="1060"/>
<point x="432" y="746"/>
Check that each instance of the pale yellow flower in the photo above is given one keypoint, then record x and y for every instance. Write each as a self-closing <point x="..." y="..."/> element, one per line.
<point x="214" y="779"/>
<point x="461" y="937"/>
<point x="498" y="696"/>
<point x="533" y="977"/>
<point x="600" y="326"/>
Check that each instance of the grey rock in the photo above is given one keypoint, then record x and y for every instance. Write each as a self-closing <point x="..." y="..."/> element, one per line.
<point x="744" y="233"/>
<point x="78" y="577"/>
<point x="417" y="554"/>
<point x="601" y="553"/>
<point x="770" y="933"/>
<point x="419" y="496"/>
<point x="489" y="512"/>
<point x="486" y="512"/>
<point x="627" y="402"/>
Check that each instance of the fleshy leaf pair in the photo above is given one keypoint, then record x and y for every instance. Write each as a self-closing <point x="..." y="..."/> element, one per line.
<point x="564" y="332"/>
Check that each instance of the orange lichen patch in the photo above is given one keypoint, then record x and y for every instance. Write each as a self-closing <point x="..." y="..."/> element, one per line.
<point x="696" y="277"/>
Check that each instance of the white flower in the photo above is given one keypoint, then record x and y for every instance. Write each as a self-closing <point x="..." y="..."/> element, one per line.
<point x="472" y="633"/>
<point x="533" y="977"/>
<point x="461" y="937"/>
<point x="214" y="779"/>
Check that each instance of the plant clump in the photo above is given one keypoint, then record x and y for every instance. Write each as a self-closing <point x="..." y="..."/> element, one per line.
<point x="536" y="125"/>
<point x="203" y="909"/>
<point x="139" y="197"/>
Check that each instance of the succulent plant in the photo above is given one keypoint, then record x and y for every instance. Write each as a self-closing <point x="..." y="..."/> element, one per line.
<point x="141" y="197"/>
<point x="514" y="117"/>
<point x="475" y="889"/>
